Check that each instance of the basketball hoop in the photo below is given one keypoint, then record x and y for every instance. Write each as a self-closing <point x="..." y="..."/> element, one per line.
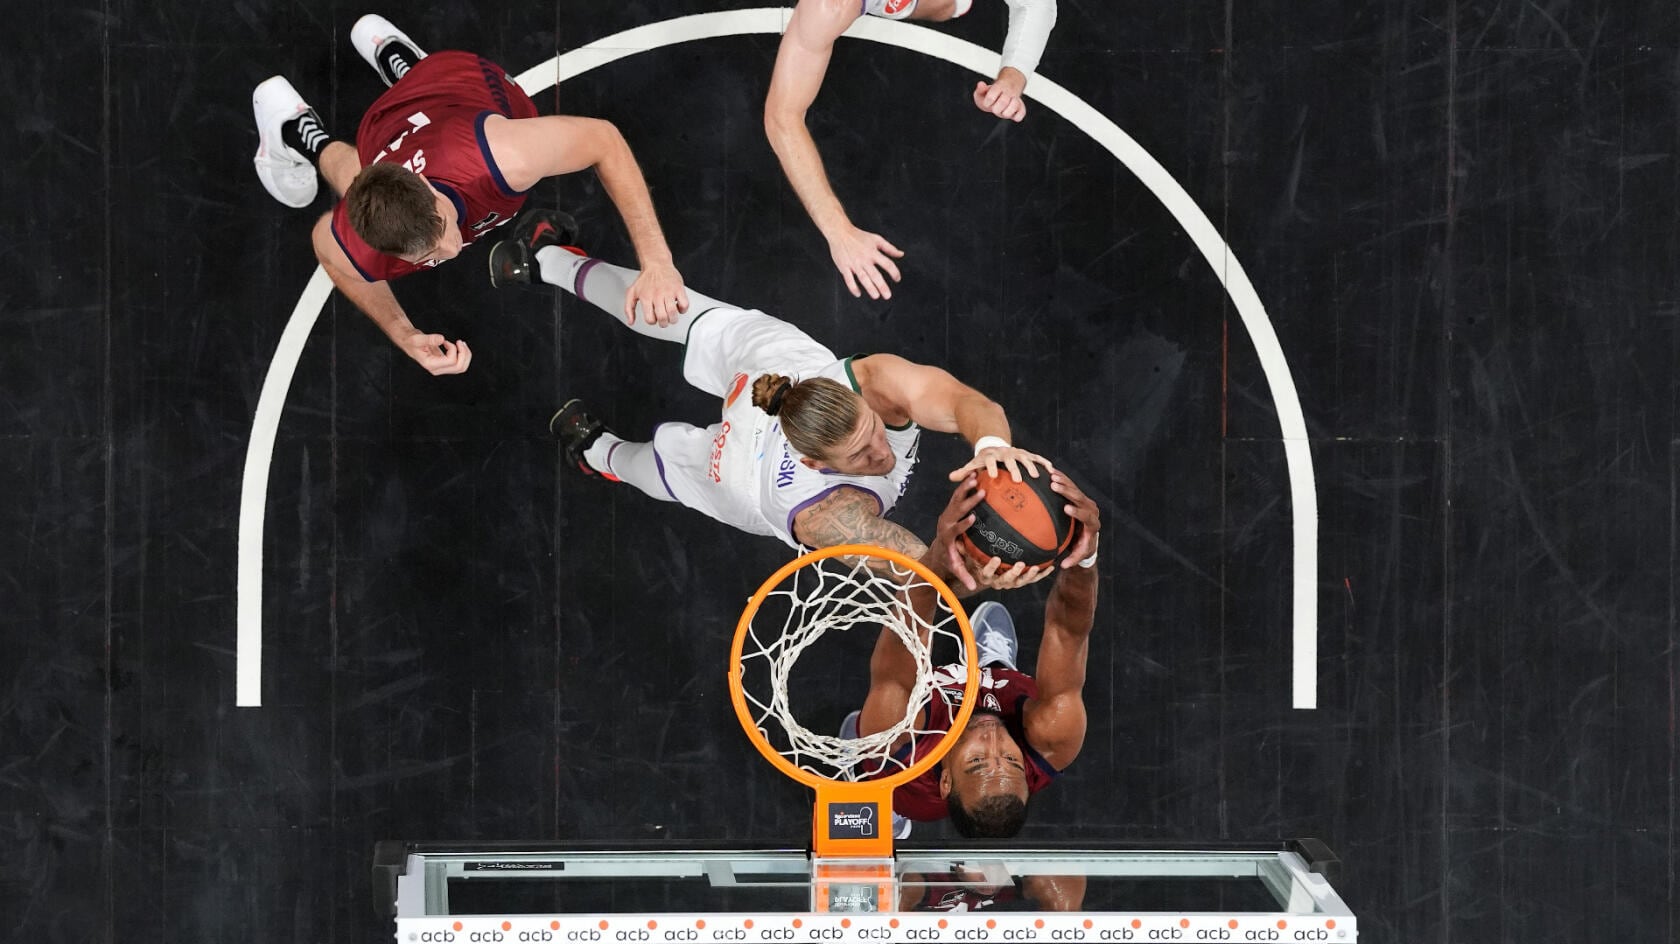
<point x="841" y="588"/>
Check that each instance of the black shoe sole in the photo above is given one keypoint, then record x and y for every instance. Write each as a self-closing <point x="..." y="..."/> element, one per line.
<point x="510" y="264"/>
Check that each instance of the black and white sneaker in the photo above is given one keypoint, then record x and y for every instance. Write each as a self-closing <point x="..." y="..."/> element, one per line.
<point x="577" y="431"/>
<point x="513" y="261"/>
<point x="386" y="48"/>
<point x="286" y="173"/>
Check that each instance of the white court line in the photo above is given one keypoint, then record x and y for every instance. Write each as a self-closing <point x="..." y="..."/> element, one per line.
<point x="1149" y="172"/>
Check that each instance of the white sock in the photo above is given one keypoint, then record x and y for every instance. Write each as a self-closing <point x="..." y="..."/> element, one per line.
<point x="604" y="285"/>
<point x="634" y="463"/>
<point x="559" y="267"/>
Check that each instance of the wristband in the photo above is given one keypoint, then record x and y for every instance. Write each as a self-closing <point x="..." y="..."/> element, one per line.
<point x="1091" y="561"/>
<point x="987" y="442"/>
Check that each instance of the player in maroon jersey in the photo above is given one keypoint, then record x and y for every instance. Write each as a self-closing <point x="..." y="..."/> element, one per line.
<point x="443" y="157"/>
<point x="1026" y="728"/>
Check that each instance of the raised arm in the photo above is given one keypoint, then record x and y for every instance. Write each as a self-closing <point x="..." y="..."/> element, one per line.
<point x="1055" y="720"/>
<point x="375" y="299"/>
<point x="528" y="150"/>
<point x="900" y="389"/>
<point x="864" y="259"/>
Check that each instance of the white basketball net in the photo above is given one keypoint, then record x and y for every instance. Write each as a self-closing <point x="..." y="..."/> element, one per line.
<point x="845" y="593"/>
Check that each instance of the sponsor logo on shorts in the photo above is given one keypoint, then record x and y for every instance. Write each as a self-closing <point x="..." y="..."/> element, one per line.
<point x="895" y="7"/>
<point x="735" y="390"/>
<point x="715" y="470"/>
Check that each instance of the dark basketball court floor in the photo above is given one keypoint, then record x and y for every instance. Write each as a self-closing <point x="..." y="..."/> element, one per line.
<point x="1462" y="221"/>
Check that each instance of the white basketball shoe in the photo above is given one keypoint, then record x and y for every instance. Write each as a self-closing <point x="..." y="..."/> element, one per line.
<point x="386" y="48"/>
<point x="994" y="634"/>
<point x="900" y="824"/>
<point x="285" y="173"/>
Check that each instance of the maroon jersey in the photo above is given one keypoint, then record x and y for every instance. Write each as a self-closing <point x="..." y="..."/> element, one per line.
<point x="432" y="122"/>
<point x="1003" y="692"/>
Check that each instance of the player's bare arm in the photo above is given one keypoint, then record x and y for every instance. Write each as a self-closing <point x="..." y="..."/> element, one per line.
<point x="432" y="351"/>
<point x="1055" y="720"/>
<point x="853" y="516"/>
<point x="865" y="259"/>
<point x="900" y="389"/>
<point x="1056" y="892"/>
<point x="530" y="149"/>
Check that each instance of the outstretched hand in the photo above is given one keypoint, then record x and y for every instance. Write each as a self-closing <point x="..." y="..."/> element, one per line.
<point x="1083" y="510"/>
<point x="436" y="353"/>
<point x="1012" y="458"/>
<point x="660" y="294"/>
<point x="865" y="259"/>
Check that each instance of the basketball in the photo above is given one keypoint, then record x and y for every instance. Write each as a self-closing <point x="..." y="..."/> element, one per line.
<point x="1018" y="522"/>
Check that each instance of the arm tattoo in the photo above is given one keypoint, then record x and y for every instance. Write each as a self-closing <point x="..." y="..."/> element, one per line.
<point x="848" y="516"/>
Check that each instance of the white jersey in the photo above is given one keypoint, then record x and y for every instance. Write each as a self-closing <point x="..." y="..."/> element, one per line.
<point x="1030" y="23"/>
<point x="742" y="471"/>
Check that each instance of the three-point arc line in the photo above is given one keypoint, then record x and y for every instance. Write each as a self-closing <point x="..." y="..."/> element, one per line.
<point x="1292" y="426"/>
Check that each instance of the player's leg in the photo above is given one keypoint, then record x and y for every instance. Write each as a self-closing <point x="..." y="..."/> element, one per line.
<point x="537" y="251"/>
<point x="291" y="141"/>
<point x="386" y="48"/>
<point x="339" y="164"/>
<point x="596" y="450"/>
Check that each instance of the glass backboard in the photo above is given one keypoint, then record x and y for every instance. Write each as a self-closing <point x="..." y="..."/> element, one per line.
<point x="443" y="892"/>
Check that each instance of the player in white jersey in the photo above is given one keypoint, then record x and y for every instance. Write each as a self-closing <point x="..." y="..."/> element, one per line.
<point x="865" y="259"/>
<point x="811" y="448"/>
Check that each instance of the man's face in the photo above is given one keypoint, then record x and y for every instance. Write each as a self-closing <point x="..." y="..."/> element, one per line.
<point x="865" y="452"/>
<point x="985" y="763"/>
<point x="448" y="245"/>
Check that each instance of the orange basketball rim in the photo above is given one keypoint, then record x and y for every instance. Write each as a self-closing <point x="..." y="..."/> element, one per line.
<point x="852" y="818"/>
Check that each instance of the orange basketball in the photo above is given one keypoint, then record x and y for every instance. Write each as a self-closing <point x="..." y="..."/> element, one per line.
<point x="1018" y="521"/>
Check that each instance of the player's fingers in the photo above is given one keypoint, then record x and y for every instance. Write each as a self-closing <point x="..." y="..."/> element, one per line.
<point x="881" y="245"/>
<point x="991" y="466"/>
<point x="682" y="299"/>
<point x="440" y="357"/>
<point x="465" y="357"/>
<point x="877" y="285"/>
<point x="954" y="557"/>
<point x="958" y="474"/>
<point x="1063" y="486"/>
<point x="1014" y="468"/>
<point x="888" y="267"/>
<point x="851" y="282"/>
